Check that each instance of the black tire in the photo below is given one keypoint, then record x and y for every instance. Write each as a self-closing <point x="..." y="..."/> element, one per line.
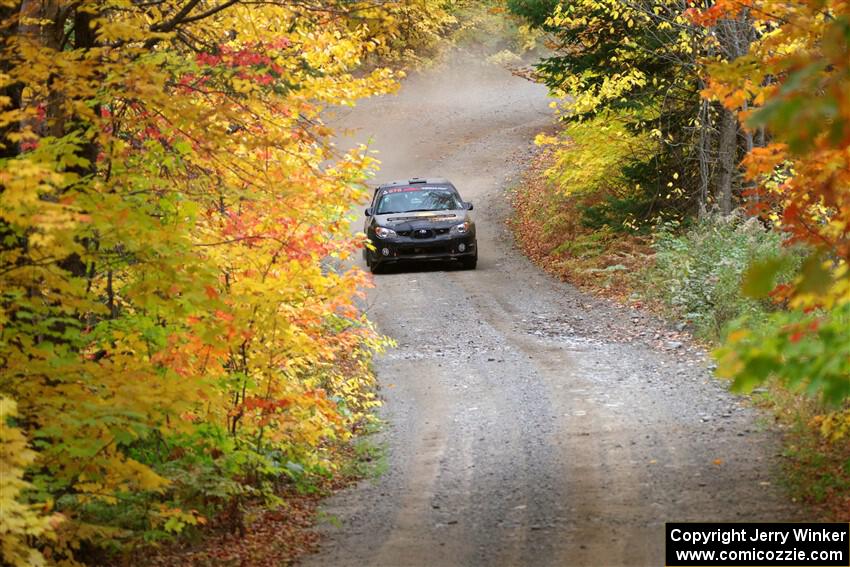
<point x="375" y="267"/>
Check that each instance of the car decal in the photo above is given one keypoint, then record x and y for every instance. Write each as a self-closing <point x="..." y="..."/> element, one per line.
<point x="407" y="189"/>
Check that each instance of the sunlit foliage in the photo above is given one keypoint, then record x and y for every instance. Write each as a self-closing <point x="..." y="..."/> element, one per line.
<point x="636" y="65"/>
<point x="796" y="78"/>
<point x="179" y="329"/>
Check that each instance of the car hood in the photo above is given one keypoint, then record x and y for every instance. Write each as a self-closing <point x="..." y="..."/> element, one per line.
<point x="422" y="219"/>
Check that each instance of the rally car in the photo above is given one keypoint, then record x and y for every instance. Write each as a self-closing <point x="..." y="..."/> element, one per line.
<point x="419" y="219"/>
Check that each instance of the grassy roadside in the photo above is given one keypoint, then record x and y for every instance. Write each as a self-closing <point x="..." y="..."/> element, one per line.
<point x="690" y="275"/>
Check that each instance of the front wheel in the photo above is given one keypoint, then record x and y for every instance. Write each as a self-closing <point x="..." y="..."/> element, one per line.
<point x="469" y="263"/>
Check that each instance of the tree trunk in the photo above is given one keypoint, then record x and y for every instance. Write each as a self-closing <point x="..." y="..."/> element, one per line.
<point x="735" y="37"/>
<point x="704" y="151"/>
<point x="727" y="147"/>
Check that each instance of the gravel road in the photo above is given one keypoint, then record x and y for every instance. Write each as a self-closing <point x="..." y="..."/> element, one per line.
<point x="528" y="423"/>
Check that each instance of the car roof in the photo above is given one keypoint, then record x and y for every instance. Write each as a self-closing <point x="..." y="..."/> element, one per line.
<point x="416" y="181"/>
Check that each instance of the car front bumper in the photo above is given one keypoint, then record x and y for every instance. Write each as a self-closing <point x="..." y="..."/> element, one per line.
<point x="404" y="249"/>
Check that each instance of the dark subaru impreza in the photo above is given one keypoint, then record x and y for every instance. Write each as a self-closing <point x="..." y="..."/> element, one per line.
<point x="419" y="219"/>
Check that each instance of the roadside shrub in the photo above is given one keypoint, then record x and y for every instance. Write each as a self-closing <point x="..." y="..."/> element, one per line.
<point x="535" y="11"/>
<point x="697" y="273"/>
<point x="611" y="174"/>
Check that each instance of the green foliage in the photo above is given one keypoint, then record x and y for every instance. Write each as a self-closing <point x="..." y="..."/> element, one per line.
<point x="600" y="165"/>
<point x="551" y="228"/>
<point x="627" y="212"/>
<point x="793" y="83"/>
<point x="698" y="273"/>
<point x="20" y="521"/>
<point x="760" y="278"/>
<point x="179" y="330"/>
<point x="370" y="460"/>
<point x="584" y="245"/>
<point x="639" y="62"/>
<point x="535" y="11"/>
<point x="807" y="352"/>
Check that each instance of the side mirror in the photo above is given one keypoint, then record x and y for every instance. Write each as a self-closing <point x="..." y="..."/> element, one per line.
<point x="368" y="212"/>
<point x="468" y="206"/>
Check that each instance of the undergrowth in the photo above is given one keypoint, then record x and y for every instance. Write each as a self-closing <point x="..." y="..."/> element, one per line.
<point x="548" y="227"/>
<point x="816" y="465"/>
<point x="697" y="271"/>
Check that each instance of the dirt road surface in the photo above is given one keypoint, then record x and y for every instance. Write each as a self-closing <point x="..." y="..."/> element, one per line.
<point x="528" y="423"/>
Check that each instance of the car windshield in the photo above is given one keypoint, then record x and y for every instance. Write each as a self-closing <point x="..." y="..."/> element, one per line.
<point x="411" y="200"/>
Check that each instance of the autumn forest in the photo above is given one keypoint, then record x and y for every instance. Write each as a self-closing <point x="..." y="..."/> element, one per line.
<point x="183" y="338"/>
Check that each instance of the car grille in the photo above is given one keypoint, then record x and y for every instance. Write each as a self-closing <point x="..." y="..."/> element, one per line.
<point x="429" y="233"/>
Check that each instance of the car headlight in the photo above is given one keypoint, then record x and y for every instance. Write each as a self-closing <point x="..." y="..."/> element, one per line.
<point x="384" y="232"/>
<point x="462" y="228"/>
